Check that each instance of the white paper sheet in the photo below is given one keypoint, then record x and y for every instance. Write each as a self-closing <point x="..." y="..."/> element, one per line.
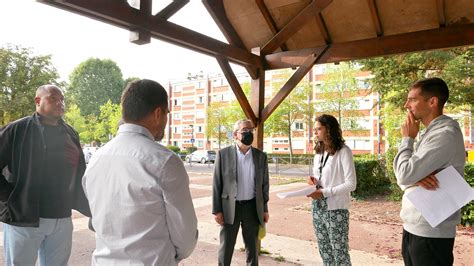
<point x="295" y="193"/>
<point x="437" y="205"/>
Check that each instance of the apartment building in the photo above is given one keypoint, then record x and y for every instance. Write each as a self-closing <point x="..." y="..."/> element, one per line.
<point x="190" y="98"/>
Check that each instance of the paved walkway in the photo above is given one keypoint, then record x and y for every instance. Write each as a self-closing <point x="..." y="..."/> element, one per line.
<point x="283" y="249"/>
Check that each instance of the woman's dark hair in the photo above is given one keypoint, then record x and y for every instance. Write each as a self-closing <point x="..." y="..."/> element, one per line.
<point x="140" y="98"/>
<point x="334" y="135"/>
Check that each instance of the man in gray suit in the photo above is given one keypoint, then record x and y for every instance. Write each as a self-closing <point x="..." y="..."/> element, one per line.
<point x="240" y="193"/>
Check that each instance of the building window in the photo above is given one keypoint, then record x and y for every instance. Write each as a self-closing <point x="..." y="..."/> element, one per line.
<point x="299" y="126"/>
<point x="177" y="116"/>
<point x="199" y="129"/>
<point x="200" y="143"/>
<point x="177" y="102"/>
<point x="365" y="104"/>
<point x="358" y="144"/>
<point x="200" y="99"/>
<point x="200" y="114"/>
<point x="177" y="88"/>
<point x="218" y="97"/>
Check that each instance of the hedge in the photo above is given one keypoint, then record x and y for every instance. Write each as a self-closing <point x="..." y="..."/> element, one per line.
<point x="371" y="177"/>
<point x="467" y="212"/>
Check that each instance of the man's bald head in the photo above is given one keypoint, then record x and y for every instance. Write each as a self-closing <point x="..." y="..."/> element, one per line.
<point x="49" y="101"/>
<point x="42" y="90"/>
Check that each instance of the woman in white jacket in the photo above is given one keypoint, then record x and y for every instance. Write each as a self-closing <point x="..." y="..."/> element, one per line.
<point x="334" y="178"/>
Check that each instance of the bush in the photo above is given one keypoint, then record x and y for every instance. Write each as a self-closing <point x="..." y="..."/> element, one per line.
<point x="467" y="212"/>
<point x="173" y="148"/>
<point x="396" y="192"/>
<point x="371" y="178"/>
<point x="191" y="149"/>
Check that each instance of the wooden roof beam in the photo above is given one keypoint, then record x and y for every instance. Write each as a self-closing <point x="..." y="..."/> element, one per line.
<point x="375" y="17"/>
<point x="170" y="9"/>
<point x="290" y="85"/>
<point x="441" y="14"/>
<point x="312" y="9"/>
<point x="270" y="22"/>
<point x="451" y="36"/>
<point x="323" y="28"/>
<point x="120" y="14"/>
<point x="236" y="88"/>
<point x="216" y="9"/>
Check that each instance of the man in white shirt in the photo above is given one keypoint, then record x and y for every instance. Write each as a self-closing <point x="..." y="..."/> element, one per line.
<point x="138" y="190"/>
<point x="240" y="193"/>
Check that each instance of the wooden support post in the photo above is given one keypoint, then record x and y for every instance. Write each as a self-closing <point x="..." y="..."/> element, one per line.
<point x="258" y="103"/>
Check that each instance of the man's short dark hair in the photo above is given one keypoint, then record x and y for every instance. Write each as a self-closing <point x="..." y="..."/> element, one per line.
<point x="140" y="98"/>
<point x="433" y="87"/>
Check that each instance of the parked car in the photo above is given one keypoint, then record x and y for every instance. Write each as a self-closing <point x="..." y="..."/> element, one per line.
<point x="202" y="156"/>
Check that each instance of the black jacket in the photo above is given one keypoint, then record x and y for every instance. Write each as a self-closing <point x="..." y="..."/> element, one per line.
<point x="22" y="152"/>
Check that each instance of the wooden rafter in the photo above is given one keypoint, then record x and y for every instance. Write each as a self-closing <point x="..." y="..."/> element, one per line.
<point x="217" y="12"/>
<point x="270" y="22"/>
<point x="374" y="13"/>
<point x="289" y="85"/>
<point x="171" y="9"/>
<point x="120" y="14"/>
<point x="236" y="88"/>
<point x="312" y="9"/>
<point x="452" y="36"/>
<point x="441" y="15"/>
<point x="323" y="28"/>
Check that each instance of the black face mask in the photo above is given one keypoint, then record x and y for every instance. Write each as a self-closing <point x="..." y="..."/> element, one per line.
<point x="247" y="138"/>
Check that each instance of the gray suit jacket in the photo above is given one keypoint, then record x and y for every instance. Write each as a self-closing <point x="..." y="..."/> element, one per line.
<point x="225" y="183"/>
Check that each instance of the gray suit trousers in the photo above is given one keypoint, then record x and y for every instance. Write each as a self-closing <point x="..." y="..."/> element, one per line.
<point x="245" y="216"/>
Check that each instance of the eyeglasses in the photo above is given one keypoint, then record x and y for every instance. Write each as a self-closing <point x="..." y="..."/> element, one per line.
<point x="245" y="130"/>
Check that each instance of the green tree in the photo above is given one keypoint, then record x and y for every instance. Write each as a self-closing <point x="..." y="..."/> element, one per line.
<point x="296" y="107"/>
<point x="337" y="93"/>
<point x="21" y="73"/>
<point x="220" y="121"/>
<point x="130" y="79"/>
<point x="393" y="75"/>
<point x="108" y="121"/>
<point x="74" y="118"/>
<point x="93" y="83"/>
<point x="221" y="117"/>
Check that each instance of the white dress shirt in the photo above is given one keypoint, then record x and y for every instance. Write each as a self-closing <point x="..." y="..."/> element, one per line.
<point x="140" y="201"/>
<point x="338" y="177"/>
<point x="245" y="175"/>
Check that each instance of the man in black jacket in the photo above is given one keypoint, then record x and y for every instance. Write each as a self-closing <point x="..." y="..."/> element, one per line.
<point x="41" y="166"/>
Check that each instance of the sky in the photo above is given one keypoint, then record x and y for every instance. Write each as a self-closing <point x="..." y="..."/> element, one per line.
<point x="72" y="39"/>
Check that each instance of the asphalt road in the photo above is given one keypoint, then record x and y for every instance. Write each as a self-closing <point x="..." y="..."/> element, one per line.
<point x="274" y="169"/>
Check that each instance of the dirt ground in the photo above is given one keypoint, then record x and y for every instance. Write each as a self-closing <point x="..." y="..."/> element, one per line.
<point x="378" y="218"/>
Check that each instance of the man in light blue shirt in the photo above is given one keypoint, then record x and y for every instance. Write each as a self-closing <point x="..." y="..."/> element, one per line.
<point x="138" y="190"/>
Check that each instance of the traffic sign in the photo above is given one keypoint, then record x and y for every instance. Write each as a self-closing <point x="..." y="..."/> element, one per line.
<point x="192" y="140"/>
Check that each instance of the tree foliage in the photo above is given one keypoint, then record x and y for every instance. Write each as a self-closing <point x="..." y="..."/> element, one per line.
<point x="393" y="75"/>
<point x="93" y="128"/>
<point x="296" y="107"/>
<point x="93" y="83"/>
<point x="337" y="93"/>
<point x="21" y="73"/>
<point x="221" y="117"/>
